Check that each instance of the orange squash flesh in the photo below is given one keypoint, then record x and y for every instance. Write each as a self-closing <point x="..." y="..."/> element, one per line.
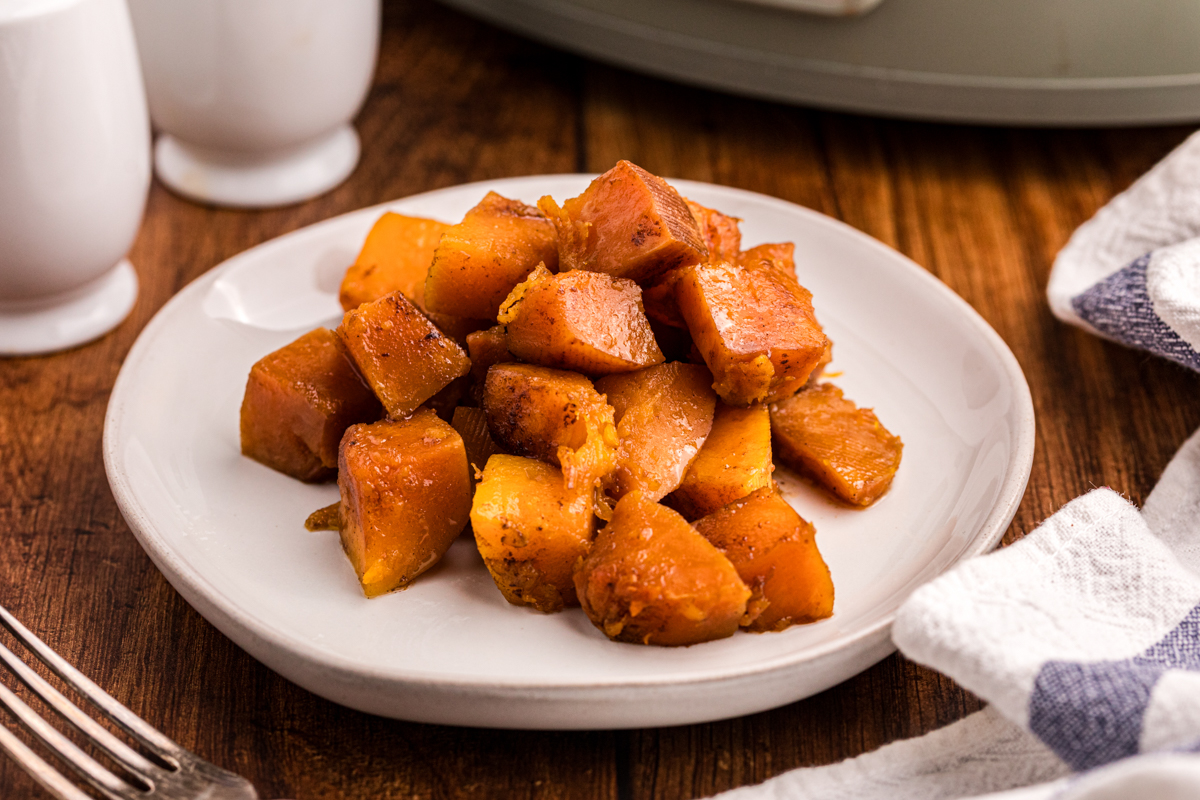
<point x="650" y="578"/>
<point x="734" y="461"/>
<point x="485" y="349"/>
<point x="628" y="223"/>
<point x="843" y="448"/>
<point x="481" y="259"/>
<point x="775" y="552"/>
<point x="720" y="232"/>
<point x="298" y="402"/>
<point x="406" y="495"/>
<point x="782" y="254"/>
<point x="555" y="416"/>
<point x="580" y="321"/>
<point x="664" y="414"/>
<point x="394" y="258"/>
<point x="754" y="326"/>
<point x="402" y="355"/>
<point x="531" y="530"/>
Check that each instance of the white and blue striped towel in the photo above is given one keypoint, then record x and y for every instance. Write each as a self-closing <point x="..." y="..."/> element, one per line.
<point x="1084" y="636"/>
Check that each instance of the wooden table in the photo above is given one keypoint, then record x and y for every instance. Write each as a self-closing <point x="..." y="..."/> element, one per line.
<point x="984" y="209"/>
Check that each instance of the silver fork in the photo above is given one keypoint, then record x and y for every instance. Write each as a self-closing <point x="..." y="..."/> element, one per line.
<point x="179" y="776"/>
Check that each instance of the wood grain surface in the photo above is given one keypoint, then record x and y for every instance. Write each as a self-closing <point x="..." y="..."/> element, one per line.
<point x="984" y="209"/>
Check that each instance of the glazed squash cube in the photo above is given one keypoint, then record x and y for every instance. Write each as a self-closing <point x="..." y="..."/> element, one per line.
<point x="531" y="530"/>
<point x="299" y="401"/>
<point x="485" y="348"/>
<point x="734" y="461"/>
<point x="754" y="326"/>
<point x="720" y="232"/>
<point x="782" y="254"/>
<point x="664" y="414"/>
<point x="582" y="321"/>
<point x="402" y="355"/>
<point x="394" y="258"/>
<point x="627" y="224"/>
<point x="650" y="578"/>
<point x="775" y="552"/>
<point x="842" y="448"/>
<point x="481" y="259"/>
<point x="554" y="416"/>
<point x="406" y="495"/>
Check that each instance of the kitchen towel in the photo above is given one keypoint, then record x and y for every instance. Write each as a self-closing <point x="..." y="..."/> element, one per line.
<point x="1084" y="636"/>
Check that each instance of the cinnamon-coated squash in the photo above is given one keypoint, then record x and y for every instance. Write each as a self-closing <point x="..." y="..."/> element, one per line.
<point x="531" y="530"/>
<point x="650" y="578"/>
<point x="734" y="461"/>
<point x="299" y="400"/>
<point x="843" y="448"/>
<point x="775" y="552"/>
<point x="577" y="320"/>
<point x="406" y="495"/>
<point x="480" y="260"/>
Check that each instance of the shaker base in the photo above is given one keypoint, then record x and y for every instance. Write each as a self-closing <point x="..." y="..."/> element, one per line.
<point x="243" y="180"/>
<point x="77" y="318"/>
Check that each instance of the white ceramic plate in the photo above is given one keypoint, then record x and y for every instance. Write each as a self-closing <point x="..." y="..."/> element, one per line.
<point x="229" y="535"/>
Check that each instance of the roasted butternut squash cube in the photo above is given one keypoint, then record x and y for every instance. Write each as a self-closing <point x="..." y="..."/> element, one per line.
<point x="734" y="461"/>
<point x="658" y="298"/>
<point x="471" y="424"/>
<point x="406" y="494"/>
<point x="581" y="321"/>
<point x="754" y="326"/>
<point x="394" y="258"/>
<point x="554" y="416"/>
<point x="782" y="254"/>
<point x="663" y="415"/>
<point x="485" y="348"/>
<point x="531" y="530"/>
<point x="299" y="401"/>
<point x="650" y="578"/>
<point x="628" y="224"/>
<point x="843" y="448"/>
<point x="775" y="553"/>
<point x="720" y="232"/>
<point x="481" y="259"/>
<point x="402" y="355"/>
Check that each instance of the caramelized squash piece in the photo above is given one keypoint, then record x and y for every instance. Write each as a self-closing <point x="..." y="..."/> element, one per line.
<point x="485" y="348"/>
<point x="554" y="416"/>
<point x="775" y="552"/>
<point x="481" y="259"/>
<point x="783" y="255"/>
<point x="299" y="401"/>
<point x="471" y="424"/>
<point x="754" y="326"/>
<point x="406" y="494"/>
<point x="404" y="357"/>
<point x="629" y="224"/>
<point x="531" y="530"/>
<point x="650" y="578"/>
<point x="581" y="321"/>
<point x="720" y="233"/>
<point x="734" y="461"/>
<point x="843" y="448"/>
<point x="394" y="258"/>
<point x="663" y="415"/>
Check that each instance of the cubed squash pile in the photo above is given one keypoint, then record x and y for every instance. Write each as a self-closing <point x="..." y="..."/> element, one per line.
<point x="600" y="390"/>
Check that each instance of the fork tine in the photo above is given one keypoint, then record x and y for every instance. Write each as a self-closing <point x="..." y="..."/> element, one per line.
<point x="49" y="778"/>
<point x="63" y="747"/>
<point x="134" y="725"/>
<point x="127" y="756"/>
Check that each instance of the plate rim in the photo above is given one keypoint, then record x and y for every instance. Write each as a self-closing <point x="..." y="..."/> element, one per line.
<point x="207" y="600"/>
